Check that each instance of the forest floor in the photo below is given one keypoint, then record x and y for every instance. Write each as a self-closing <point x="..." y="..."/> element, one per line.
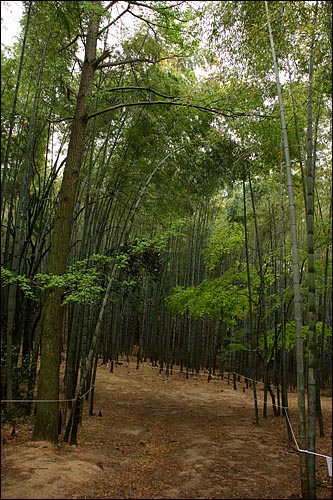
<point x="155" y="436"/>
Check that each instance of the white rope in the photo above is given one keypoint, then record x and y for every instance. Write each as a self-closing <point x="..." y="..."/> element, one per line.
<point x="36" y="400"/>
<point x="45" y="400"/>
<point x="328" y="458"/>
<point x="189" y="371"/>
<point x="87" y="392"/>
<point x="294" y="438"/>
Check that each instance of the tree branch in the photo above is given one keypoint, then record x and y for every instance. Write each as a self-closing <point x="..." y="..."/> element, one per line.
<point x="106" y="8"/>
<point x="59" y="120"/>
<point x="70" y="43"/>
<point x="160" y="9"/>
<point x="101" y="58"/>
<point x="113" y="20"/>
<point x="132" y="89"/>
<point x="132" y="61"/>
<point x="174" y="103"/>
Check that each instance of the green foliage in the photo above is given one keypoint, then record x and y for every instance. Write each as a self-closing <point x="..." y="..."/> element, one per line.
<point x="291" y="336"/>
<point x="212" y="298"/>
<point x="23" y="283"/>
<point x="235" y="208"/>
<point x="226" y="237"/>
<point x="206" y="154"/>
<point x="145" y="256"/>
<point x="213" y="160"/>
<point x="93" y="7"/>
<point x="82" y="283"/>
<point x="79" y="286"/>
<point x="233" y="347"/>
<point x="172" y="18"/>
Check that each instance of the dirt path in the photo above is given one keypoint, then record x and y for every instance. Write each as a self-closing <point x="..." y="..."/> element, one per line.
<point x="163" y="437"/>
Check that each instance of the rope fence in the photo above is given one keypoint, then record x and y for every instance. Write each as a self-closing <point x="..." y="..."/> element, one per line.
<point x="45" y="400"/>
<point x="127" y="364"/>
<point x="285" y="408"/>
<point x="191" y="372"/>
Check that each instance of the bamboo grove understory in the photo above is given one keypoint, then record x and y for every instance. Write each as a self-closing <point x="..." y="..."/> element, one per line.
<point x="166" y="193"/>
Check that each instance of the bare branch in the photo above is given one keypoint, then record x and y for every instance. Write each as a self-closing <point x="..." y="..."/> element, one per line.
<point x="138" y="60"/>
<point x="113" y="20"/>
<point x="158" y="9"/>
<point x="133" y="89"/>
<point x="175" y="103"/>
<point x="70" y="43"/>
<point x="101" y="58"/>
<point x="107" y="7"/>
<point x="149" y="23"/>
<point x="58" y="120"/>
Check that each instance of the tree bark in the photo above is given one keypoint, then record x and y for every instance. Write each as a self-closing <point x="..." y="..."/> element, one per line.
<point x="312" y="313"/>
<point x="252" y="335"/>
<point x="46" y="423"/>
<point x="296" y="279"/>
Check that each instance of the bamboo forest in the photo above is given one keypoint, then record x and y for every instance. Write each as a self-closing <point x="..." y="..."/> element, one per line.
<point x="166" y="214"/>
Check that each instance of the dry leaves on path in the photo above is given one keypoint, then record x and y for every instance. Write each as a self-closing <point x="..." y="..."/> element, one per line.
<point x="163" y="437"/>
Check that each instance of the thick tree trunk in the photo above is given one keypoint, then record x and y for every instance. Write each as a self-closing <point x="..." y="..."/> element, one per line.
<point x="46" y="423"/>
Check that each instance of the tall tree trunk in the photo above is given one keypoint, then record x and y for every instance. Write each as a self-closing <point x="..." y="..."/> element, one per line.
<point x="46" y="423"/>
<point x="296" y="280"/>
<point x="261" y="305"/>
<point x="312" y="314"/>
<point x="21" y="229"/>
<point x="13" y="113"/>
<point x="253" y="359"/>
<point x="284" y="353"/>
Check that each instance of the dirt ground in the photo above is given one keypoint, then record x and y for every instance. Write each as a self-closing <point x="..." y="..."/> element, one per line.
<point x="158" y="436"/>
